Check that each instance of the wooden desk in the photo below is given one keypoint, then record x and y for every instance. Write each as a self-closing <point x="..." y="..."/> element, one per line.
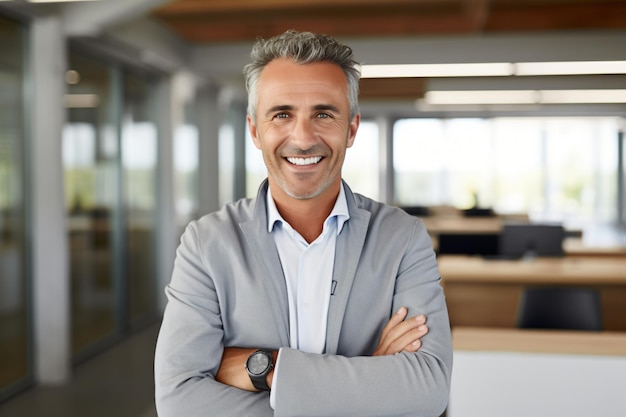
<point x="575" y="247"/>
<point x="539" y="341"/>
<point x="521" y="373"/>
<point x="458" y="224"/>
<point x="486" y="293"/>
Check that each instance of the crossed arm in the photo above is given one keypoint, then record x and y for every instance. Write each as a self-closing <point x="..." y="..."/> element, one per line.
<point x="196" y="375"/>
<point x="398" y="335"/>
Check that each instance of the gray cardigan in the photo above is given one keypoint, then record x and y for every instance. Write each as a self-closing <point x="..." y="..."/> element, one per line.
<point x="227" y="289"/>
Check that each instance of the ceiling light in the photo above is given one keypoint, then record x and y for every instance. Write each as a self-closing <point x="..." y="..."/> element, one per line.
<point x="494" y="69"/>
<point x="525" y="97"/>
<point x="481" y="97"/>
<point x="583" y="96"/>
<point x="570" y="68"/>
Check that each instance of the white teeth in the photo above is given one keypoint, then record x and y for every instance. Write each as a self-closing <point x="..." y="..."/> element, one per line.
<point x="305" y="161"/>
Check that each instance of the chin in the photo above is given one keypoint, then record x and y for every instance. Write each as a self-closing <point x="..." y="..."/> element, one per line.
<point x="305" y="194"/>
<point x="304" y="191"/>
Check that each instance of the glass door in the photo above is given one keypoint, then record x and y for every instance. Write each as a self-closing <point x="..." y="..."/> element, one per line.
<point x="110" y="148"/>
<point x="91" y="162"/>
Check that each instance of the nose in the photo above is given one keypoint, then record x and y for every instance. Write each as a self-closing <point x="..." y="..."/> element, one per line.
<point x="303" y="134"/>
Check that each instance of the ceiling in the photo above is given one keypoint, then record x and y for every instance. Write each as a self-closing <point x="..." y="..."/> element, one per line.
<point x="207" y="21"/>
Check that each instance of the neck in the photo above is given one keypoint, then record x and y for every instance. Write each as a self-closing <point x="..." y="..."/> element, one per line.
<point x="306" y="216"/>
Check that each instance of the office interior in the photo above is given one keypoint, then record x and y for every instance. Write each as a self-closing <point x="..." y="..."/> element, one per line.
<point x="121" y="121"/>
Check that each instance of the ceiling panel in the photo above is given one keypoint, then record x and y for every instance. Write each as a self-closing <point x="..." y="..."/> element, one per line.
<point x="206" y="21"/>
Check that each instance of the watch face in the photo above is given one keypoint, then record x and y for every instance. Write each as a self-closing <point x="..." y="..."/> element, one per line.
<point x="258" y="363"/>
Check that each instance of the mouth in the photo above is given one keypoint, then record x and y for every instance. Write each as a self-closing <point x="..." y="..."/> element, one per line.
<point x="304" y="161"/>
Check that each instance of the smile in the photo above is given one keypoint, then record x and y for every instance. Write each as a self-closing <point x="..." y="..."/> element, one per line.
<point x="305" y="161"/>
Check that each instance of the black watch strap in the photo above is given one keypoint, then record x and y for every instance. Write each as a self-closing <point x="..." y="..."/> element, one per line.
<point x="260" y="382"/>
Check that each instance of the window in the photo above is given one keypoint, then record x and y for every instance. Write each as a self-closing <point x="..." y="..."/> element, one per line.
<point x="360" y="169"/>
<point x="562" y="169"/>
<point x="186" y="164"/>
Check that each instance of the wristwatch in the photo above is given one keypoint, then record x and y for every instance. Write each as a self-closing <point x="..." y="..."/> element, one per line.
<point x="258" y="365"/>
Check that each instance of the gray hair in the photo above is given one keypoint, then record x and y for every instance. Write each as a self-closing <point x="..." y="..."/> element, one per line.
<point x="302" y="48"/>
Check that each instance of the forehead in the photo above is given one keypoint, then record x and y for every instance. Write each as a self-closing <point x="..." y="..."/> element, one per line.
<point x="282" y="78"/>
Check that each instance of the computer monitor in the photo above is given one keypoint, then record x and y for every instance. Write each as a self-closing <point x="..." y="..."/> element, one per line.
<point x="482" y="244"/>
<point x="478" y="212"/>
<point x="420" y="211"/>
<point x="531" y="239"/>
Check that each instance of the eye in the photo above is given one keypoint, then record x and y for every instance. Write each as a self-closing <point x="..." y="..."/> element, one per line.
<point x="323" y="116"/>
<point x="282" y="115"/>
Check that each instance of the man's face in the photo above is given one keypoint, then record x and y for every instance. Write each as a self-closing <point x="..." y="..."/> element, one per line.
<point x="303" y="126"/>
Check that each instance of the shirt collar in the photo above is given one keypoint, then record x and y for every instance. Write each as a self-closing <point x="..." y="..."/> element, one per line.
<point x="340" y="211"/>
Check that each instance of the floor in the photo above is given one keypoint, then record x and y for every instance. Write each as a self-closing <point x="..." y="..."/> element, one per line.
<point x="118" y="382"/>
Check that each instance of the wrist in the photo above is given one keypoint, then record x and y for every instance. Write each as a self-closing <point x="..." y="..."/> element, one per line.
<point x="260" y="368"/>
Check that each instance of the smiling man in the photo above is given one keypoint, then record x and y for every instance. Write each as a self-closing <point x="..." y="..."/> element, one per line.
<point x="303" y="126"/>
<point x="308" y="300"/>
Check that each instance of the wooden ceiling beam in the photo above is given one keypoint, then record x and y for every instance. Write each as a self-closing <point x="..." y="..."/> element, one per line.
<point x="557" y="16"/>
<point x="377" y="20"/>
<point x="243" y="29"/>
<point x="392" y="88"/>
<point x="190" y="7"/>
<point x="242" y="20"/>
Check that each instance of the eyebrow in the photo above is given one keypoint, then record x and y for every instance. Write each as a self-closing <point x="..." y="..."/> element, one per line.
<point x="287" y="107"/>
<point x="278" y="108"/>
<point x="327" y="107"/>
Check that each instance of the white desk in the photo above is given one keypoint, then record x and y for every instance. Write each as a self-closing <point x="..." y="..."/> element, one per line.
<point x="521" y="373"/>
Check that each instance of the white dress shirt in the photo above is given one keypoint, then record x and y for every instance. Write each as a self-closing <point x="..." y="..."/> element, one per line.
<point x="308" y="270"/>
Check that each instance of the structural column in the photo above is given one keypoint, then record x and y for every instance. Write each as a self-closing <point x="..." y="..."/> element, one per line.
<point x="51" y="297"/>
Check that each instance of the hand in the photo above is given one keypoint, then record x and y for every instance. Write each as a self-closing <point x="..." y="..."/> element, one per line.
<point x="400" y="335"/>
<point x="232" y="370"/>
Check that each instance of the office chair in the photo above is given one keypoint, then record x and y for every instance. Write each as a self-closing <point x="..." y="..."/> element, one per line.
<point x="563" y="308"/>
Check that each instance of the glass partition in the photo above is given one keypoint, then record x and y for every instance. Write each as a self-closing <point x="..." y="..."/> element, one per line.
<point x="110" y="147"/>
<point x="139" y="163"/>
<point x="90" y="157"/>
<point x="15" y="335"/>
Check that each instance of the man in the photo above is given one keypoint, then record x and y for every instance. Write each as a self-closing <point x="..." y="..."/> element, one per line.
<point x="308" y="300"/>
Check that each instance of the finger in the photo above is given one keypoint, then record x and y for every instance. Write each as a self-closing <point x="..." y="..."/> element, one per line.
<point x="396" y="319"/>
<point x="409" y="341"/>
<point x="413" y="347"/>
<point x="398" y="334"/>
<point x="405" y="326"/>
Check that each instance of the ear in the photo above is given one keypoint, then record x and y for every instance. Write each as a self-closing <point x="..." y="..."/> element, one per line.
<point x="352" y="129"/>
<point x="253" y="132"/>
